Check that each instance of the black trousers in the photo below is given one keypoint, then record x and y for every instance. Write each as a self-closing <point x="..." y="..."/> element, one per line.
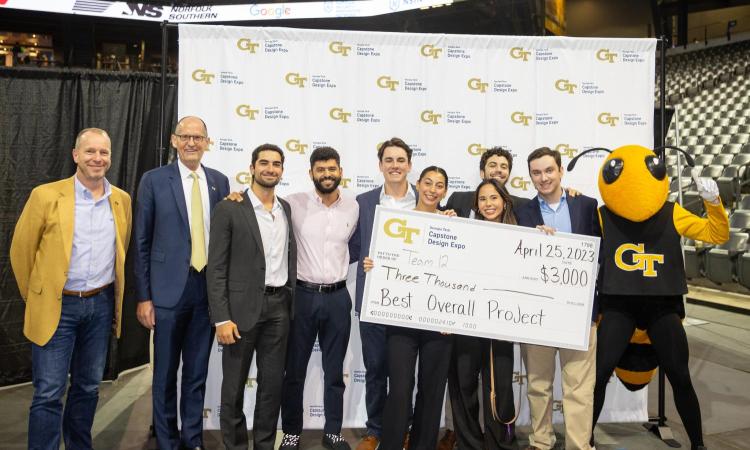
<point x="471" y="356"/>
<point x="404" y="345"/>
<point x="326" y="316"/>
<point x="269" y="339"/>
<point x="661" y="317"/>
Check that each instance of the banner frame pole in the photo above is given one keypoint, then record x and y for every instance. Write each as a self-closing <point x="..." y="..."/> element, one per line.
<point x="161" y="150"/>
<point x="163" y="93"/>
<point x="658" y="425"/>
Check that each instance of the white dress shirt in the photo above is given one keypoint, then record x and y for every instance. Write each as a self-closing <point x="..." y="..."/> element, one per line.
<point x="187" y="189"/>
<point x="274" y="232"/>
<point x="408" y="201"/>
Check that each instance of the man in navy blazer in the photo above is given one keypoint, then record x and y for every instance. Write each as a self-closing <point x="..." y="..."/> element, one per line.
<point x="394" y="157"/>
<point x="173" y="211"/>
<point x="496" y="163"/>
<point x="554" y="210"/>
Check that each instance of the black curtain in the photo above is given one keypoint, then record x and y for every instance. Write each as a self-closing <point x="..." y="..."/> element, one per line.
<point x="41" y="111"/>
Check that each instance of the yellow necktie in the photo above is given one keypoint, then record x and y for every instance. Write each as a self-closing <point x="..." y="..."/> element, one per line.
<point x="198" y="253"/>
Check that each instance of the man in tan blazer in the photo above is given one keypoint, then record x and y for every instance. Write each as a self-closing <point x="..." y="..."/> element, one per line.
<point x="68" y="257"/>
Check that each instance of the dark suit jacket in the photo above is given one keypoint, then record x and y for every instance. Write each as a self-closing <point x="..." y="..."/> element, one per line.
<point x="463" y="202"/>
<point x="584" y="219"/>
<point x="162" y="232"/>
<point x="236" y="272"/>
<point x="359" y="243"/>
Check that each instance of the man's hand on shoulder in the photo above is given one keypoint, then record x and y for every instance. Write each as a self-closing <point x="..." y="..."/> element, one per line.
<point x="235" y="197"/>
<point x="146" y="314"/>
<point x="227" y="332"/>
<point x="572" y="192"/>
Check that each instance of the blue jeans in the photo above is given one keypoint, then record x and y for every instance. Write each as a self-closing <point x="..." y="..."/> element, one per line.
<point x="79" y="346"/>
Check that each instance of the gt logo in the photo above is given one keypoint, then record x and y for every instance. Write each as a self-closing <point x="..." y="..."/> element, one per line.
<point x="430" y="51"/>
<point x="606" y="118"/>
<point x="603" y="54"/>
<point x="251" y="382"/>
<point x="385" y="82"/>
<point x="475" y="84"/>
<point x="429" y="116"/>
<point x="244" y="178"/>
<point x="519" y="378"/>
<point x="247" y="45"/>
<point x="201" y="76"/>
<point x="339" y="114"/>
<point x="345" y="182"/>
<point x="641" y="261"/>
<point x="206" y="412"/>
<point x="520" y="183"/>
<point x="565" y="86"/>
<point x="557" y="405"/>
<point x="476" y="149"/>
<point x="339" y="48"/>
<point x="294" y="79"/>
<point x="246" y="111"/>
<point x="519" y="117"/>
<point x="519" y="53"/>
<point x="401" y="231"/>
<point x="566" y="150"/>
<point x="294" y="145"/>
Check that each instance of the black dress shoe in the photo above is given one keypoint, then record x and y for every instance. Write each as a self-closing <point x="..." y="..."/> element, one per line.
<point x="334" y="442"/>
<point x="289" y="442"/>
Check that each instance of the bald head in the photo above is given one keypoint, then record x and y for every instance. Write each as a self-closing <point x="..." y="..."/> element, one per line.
<point x="80" y="138"/>
<point x="190" y="139"/>
<point x="190" y="120"/>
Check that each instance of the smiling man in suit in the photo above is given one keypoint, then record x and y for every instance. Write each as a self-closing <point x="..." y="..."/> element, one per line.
<point x="252" y="271"/>
<point x="554" y="210"/>
<point x="394" y="162"/>
<point x="68" y="256"/>
<point x="496" y="163"/>
<point x="172" y="227"/>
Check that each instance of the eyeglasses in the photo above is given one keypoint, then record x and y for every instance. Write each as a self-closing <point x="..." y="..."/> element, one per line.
<point x="186" y="138"/>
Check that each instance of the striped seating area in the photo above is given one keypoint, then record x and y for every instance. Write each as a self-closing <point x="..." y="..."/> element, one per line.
<point x="710" y="89"/>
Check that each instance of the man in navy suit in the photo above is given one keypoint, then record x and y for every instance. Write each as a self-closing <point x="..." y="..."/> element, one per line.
<point x="395" y="164"/>
<point x="554" y="210"/>
<point x="496" y="163"/>
<point x="173" y="211"/>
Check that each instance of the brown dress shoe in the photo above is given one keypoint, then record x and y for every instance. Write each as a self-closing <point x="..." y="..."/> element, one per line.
<point x="406" y="441"/>
<point x="368" y="442"/>
<point x="448" y="441"/>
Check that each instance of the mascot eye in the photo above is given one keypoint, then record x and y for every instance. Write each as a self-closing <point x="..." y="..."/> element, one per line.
<point x="656" y="167"/>
<point x="612" y="170"/>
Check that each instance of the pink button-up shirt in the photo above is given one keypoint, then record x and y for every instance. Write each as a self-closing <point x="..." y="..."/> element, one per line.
<point x="322" y="234"/>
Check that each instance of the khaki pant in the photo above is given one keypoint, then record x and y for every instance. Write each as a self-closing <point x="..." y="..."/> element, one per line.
<point x="578" y="378"/>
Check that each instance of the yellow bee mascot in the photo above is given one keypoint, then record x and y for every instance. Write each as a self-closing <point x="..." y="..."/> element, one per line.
<point x="642" y="276"/>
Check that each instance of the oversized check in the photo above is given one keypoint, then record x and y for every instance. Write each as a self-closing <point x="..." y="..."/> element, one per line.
<point x="480" y="278"/>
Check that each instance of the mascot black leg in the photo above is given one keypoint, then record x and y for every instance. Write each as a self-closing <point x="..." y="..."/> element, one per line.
<point x="670" y="343"/>
<point x="613" y="335"/>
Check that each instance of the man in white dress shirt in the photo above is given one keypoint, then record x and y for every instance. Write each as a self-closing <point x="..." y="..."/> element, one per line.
<point x="252" y="270"/>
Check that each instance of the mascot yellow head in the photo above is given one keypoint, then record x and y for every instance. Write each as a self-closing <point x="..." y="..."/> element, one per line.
<point x="633" y="180"/>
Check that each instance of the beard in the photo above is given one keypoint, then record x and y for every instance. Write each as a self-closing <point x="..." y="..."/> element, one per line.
<point x="266" y="184"/>
<point x="318" y="182"/>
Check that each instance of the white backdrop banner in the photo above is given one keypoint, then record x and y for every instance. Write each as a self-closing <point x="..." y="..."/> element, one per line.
<point x="450" y="97"/>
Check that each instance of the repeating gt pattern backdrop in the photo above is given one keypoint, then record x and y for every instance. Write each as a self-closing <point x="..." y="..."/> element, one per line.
<point x="449" y="97"/>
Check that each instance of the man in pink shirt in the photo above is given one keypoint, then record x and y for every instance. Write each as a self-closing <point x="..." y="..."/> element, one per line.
<point x="323" y="221"/>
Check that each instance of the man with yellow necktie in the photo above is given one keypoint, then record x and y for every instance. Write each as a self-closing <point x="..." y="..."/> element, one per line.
<point x="173" y="211"/>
